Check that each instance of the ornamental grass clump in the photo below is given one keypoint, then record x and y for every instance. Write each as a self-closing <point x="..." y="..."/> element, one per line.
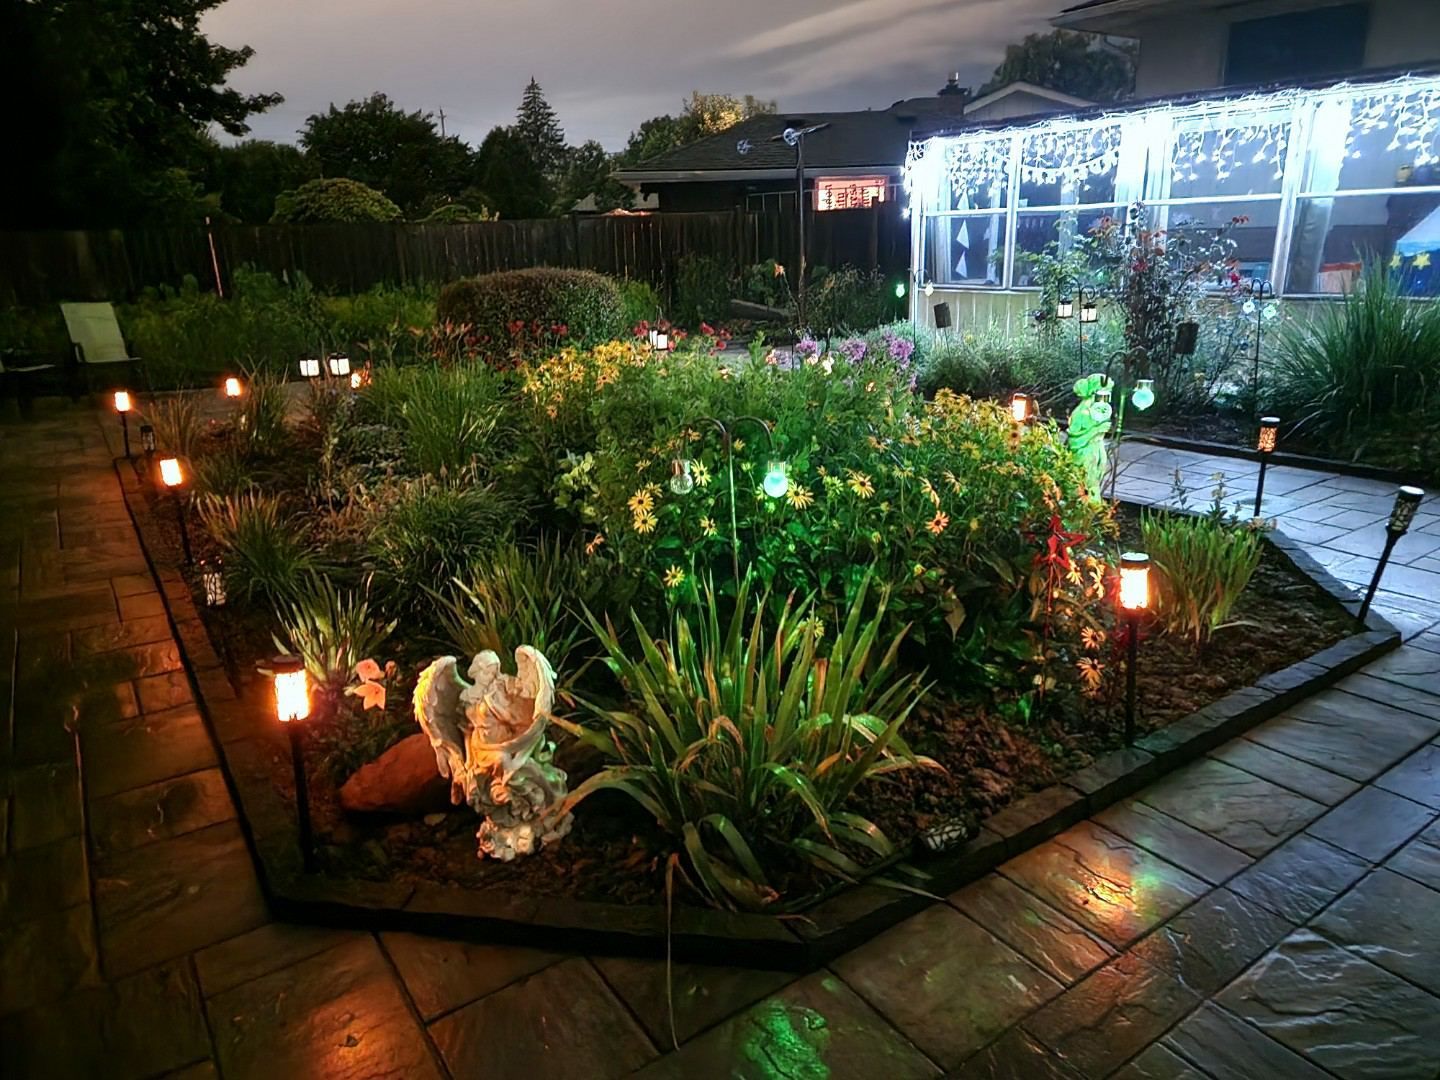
<point x="1205" y="563"/>
<point x="747" y="745"/>
<point x="331" y="630"/>
<point x="266" y="553"/>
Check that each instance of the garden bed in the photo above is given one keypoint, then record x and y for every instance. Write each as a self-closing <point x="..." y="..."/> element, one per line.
<point x="603" y="887"/>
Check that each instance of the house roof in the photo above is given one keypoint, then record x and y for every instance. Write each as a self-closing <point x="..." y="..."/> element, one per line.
<point x="1117" y="16"/>
<point x="851" y="141"/>
<point x="1020" y="86"/>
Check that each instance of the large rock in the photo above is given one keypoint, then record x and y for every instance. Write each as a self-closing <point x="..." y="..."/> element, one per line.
<point x="402" y="780"/>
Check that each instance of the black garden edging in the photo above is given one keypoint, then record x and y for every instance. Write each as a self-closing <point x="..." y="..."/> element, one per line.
<point x="245" y="737"/>
<point x="1278" y="457"/>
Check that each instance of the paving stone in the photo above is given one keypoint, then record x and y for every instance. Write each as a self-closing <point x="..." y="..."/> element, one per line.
<point x="75" y="611"/>
<point x="102" y="639"/>
<point x="1316" y="783"/>
<point x="144" y="750"/>
<point x="161" y="692"/>
<point x="1372" y="823"/>
<point x="1227" y="1048"/>
<point x="172" y="897"/>
<point x="1159" y="1062"/>
<point x="46" y="958"/>
<point x="561" y="1021"/>
<point x="1231" y="805"/>
<point x="703" y="995"/>
<point x="338" y="1014"/>
<point x="442" y="975"/>
<point x="1391" y="921"/>
<point x="264" y="950"/>
<point x="1051" y="941"/>
<point x="1417" y="777"/>
<point x="1346" y="734"/>
<point x="46" y="804"/>
<point x="1418" y="669"/>
<point x="1299" y="877"/>
<point x="132" y="584"/>
<point x="43" y="879"/>
<point x="817" y="1027"/>
<point x="1397" y="695"/>
<point x="1420" y="858"/>
<point x="201" y="1070"/>
<point x="1110" y="886"/>
<point x="141" y="1026"/>
<point x="1338" y="1010"/>
<point x="1173" y="840"/>
<point x="141" y="606"/>
<point x="945" y="982"/>
<point x="1016" y="1055"/>
<point x="159" y="811"/>
<point x="1104" y="1020"/>
<point x="1212" y="941"/>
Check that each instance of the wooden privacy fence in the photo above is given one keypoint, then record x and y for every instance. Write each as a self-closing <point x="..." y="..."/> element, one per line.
<point x="44" y="267"/>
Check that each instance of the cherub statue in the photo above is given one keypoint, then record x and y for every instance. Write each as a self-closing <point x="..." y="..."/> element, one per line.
<point x="489" y="739"/>
<point x="1089" y="424"/>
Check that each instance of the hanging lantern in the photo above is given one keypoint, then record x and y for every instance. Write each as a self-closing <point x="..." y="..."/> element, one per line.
<point x="212" y="580"/>
<point x="1089" y="312"/>
<point x="1143" y="396"/>
<point x="1065" y="308"/>
<point x="310" y="367"/>
<point x="339" y="365"/>
<point x="777" y="480"/>
<point x="681" y="480"/>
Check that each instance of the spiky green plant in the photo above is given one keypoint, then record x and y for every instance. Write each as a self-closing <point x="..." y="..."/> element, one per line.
<point x="521" y="597"/>
<point x="177" y="424"/>
<point x="224" y="472"/>
<point x="263" y="410"/>
<point x="266" y="553"/>
<point x="1204" y="564"/>
<point x="330" y="629"/>
<point x="746" y="744"/>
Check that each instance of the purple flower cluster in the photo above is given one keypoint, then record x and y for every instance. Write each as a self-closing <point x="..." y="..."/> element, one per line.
<point x="807" y="347"/>
<point x="899" y="348"/>
<point x="853" y="350"/>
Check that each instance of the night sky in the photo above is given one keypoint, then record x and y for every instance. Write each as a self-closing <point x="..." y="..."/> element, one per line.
<point x="607" y="65"/>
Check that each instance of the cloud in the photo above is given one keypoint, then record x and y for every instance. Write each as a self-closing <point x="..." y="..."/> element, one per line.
<point x="607" y="67"/>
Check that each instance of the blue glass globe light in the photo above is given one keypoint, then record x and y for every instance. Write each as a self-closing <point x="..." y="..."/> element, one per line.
<point x="777" y="480"/>
<point x="1143" y="396"/>
<point x="681" y="480"/>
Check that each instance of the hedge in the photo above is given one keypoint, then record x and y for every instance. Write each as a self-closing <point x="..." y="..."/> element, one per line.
<point x="588" y="305"/>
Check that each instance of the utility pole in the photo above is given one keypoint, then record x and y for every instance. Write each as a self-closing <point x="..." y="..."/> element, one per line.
<point x="442" y="122"/>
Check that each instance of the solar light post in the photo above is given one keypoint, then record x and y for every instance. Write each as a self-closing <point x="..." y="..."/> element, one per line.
<point x="212" y="580"/>
<point x="123" y="406"/>
<point x="1407" y="501"/>
<point x="147" y="444"/>
<point x="172" y="477"/>
<point x="1134" y="599"/>
<point x="1265" y="445"/>
<point x="1019" y="413"/>
<point x="775" y="484"/>
<point x="1258" y="296"/>
<point x="1089" y="311"/>
<point x="292" y="704"/>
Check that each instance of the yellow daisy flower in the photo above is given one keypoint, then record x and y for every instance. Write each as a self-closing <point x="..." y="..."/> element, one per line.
<point x="860" y="484"/>
<point x="800" y="497"/>
<point x="642" y="502"/>
<point x="700" y="474"/>
<point x="644" y="523"/>
<point x="707" y="526"/>
<point x="938" y="522"/>
<point x="674" y="577"/>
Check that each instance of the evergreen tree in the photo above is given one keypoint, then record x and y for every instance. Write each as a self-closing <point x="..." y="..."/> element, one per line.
<point x="509" y="179"/>
<point x="540" y="131"/>
<point x="1069" y="62"/>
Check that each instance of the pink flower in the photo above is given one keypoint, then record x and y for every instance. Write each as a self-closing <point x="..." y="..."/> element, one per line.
<point x="368" y="670"/>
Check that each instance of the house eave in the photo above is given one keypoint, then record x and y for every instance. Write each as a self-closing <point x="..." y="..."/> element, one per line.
<point x="692" y="176"/>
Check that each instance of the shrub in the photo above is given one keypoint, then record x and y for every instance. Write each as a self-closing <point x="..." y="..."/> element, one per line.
<point x="1358" y="364"/>
<point x="587" y="305"/>
<point x="766" y="283"/>
<point x="262" y="412"/>
<point x="331" y="630"/>
<point x="333" y="200"/>
<point x="177" y="424"/>
<point x="447" y="422"/>
<point x="457" y="214"/>
<point x="745" y="744"/>
<point x="266" y="554"/>
<point x="703" y="288"/>
<point x="433" y="532"/>
<point x="640" y="302"/>
<point x="225" y="472"/>
<point x="519" y="597"/>
<point x="1205" y="563"/>
<point x="851" y="300"/>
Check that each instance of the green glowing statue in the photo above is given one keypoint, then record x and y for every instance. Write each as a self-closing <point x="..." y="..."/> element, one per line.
<point x="1089" y="424"/>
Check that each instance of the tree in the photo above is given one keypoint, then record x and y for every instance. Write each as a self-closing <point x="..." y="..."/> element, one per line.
<point x="1069" y="62"/>
<point x="335" y="200"/>
<point x="508" y="178"/>
<point x="703" y="114"/>
<point x="538" y="128"/>
<point x="589" y="172"/>
<point x="402" y="154"/>
<point x="247" y="176"/>
<point x="107" y="101"/>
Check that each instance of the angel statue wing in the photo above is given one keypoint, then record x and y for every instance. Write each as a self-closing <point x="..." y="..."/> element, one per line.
<point x="535" y="678"/>
<point x="442" y="717"/>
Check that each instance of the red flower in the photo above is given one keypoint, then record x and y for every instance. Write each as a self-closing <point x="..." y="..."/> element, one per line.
<point x="517" y="327"/>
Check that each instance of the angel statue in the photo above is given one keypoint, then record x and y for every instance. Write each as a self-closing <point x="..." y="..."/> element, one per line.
<point x="1089" y="424"/>
<point x="489" y="739"/>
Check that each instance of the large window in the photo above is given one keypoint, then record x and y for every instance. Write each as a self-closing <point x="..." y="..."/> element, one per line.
<point x="1329" y="39"/>
<point x="1308" y="184"/>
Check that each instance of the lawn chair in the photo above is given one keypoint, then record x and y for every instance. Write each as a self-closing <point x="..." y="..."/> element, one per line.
<point x="18" y="375"/>
<point x="96" y="340"/>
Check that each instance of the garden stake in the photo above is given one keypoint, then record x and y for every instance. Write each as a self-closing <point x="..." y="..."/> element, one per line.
<point x="728" y="440"/>
<point x="1260" y="291"/>
<point x="1132" y="655"/>
<point x="292" y="704"/>
<point x="172" y="477"/>
<point x="1407" y="501"/>
<point x="1269" y="431"/>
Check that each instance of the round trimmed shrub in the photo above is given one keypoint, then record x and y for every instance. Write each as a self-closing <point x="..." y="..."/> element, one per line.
<point x="587" y="305"/>
<point x="332" y="200"/>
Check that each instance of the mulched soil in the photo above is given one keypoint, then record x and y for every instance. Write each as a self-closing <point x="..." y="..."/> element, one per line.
<point x="616" y="854"/>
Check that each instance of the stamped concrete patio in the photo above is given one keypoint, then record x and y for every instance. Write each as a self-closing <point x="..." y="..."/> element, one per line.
<point x="1271" y="910"/>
